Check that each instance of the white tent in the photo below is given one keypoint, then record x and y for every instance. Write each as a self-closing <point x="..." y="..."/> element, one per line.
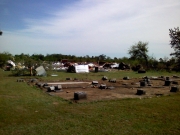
<point x="82" y="69"/>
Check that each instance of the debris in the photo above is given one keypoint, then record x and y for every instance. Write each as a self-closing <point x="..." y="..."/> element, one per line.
<point x="96" y="69"/>
<point x="123" y="66"/>
<point x="41" y="71"/>
<point x="82" y="69"/>
<point x="103" y="70"/>
<point x="11" y="62"/>
<point x="71" y="69"/>
<point x="137" y="67"/>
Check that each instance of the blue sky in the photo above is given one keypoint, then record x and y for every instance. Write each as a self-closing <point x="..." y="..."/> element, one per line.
<point x="87" y="27"/>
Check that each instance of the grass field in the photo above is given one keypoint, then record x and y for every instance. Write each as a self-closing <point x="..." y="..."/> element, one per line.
<point x="27" y="110"/>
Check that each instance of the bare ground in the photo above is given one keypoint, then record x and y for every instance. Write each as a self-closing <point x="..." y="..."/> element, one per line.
<point x="120" y="89"/>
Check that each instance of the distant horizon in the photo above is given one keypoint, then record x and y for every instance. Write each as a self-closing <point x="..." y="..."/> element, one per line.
<point x="151" y="56"/>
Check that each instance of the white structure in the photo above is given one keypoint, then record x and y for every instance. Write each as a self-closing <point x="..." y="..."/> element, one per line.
<point x="82" y="69"/>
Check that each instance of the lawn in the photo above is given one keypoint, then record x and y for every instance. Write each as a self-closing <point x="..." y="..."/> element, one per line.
<point x="26" y="109"/>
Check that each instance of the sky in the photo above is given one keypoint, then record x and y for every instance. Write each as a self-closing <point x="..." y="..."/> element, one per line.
<point x="87" y="27"/>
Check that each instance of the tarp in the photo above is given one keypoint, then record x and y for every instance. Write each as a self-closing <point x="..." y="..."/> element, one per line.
<point x="41" y="71"/>
<point x="82" y="69"/>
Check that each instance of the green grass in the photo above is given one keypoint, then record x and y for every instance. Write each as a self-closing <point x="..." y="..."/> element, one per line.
<point x="27" y="110"/>
<point x="96" y="76"/>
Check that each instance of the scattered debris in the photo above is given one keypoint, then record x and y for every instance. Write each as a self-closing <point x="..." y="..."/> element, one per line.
<point x="123" y="66"/>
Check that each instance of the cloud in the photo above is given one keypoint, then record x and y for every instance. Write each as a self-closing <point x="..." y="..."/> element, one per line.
<point x="104" y="27"/>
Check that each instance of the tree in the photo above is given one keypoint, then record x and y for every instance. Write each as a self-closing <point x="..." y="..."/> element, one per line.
<point x="139" y="51"/>
<point x="4" y="57"/>
<point x="175" y="44"/>
<point x="175" y="41"/>
<point x="102" y="57"/>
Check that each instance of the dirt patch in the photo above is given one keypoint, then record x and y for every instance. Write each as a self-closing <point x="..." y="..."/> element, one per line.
<point x="119" y="89"/>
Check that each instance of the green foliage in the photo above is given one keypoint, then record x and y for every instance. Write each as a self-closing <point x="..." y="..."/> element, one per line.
<point x="175" y="44"/>
<point x="139" y="51"/>
<point x="4" y="57"/>
<point x="138" y="56"/>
